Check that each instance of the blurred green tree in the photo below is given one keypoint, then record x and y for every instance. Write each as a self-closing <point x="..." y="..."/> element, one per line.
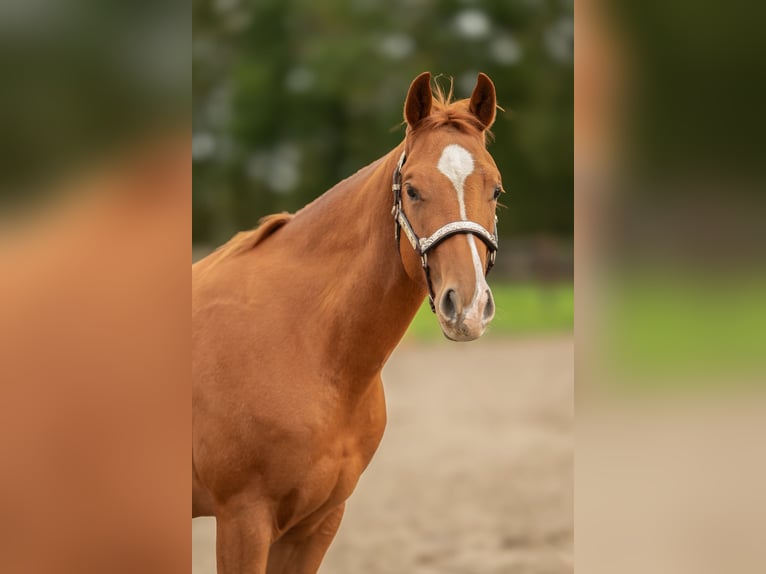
<point x="290" y="96"/>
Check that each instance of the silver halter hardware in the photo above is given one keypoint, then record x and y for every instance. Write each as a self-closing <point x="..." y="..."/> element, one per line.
<point x="422" y="245"/>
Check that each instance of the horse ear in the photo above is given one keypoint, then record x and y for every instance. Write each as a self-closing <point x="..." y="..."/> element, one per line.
<point x="483" y="101"/>
<point x="419" y="99"/>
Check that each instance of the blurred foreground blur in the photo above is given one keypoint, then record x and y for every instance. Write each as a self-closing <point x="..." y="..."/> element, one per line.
<point x="670" y="288"/>
<point x="95" y="221"/>
<point x="94" y="350"/>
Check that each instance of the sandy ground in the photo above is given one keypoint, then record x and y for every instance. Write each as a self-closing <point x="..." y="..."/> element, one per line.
<point x="474" y="474"/>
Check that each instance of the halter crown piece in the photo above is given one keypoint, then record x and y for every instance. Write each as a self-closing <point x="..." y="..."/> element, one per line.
<point x="422" y="245"/>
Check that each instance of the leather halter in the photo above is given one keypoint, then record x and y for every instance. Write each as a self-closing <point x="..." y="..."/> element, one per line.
<point x="422" y="245"/>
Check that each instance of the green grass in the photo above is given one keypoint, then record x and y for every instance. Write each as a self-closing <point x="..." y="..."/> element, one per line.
<point x="521" y="309"/>
<point x="670" y="324"/>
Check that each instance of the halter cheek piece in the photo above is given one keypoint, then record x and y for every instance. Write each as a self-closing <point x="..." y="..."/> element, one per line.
<point x="422" y="245"/>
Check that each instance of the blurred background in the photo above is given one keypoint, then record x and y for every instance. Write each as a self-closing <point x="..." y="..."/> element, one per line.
<point x="289" y="97"/>
<point x="83" y="82"/>
<point x="671" y="296"/>
<point x="95" y="222"/>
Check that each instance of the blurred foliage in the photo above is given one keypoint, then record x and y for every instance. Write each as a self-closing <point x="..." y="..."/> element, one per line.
<point x="291" y="96"/>
<point x="696" y="96"/>
<point x="82" y="79"/>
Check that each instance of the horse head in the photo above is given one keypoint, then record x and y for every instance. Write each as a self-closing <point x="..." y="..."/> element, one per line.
<point x="446" y="189"/>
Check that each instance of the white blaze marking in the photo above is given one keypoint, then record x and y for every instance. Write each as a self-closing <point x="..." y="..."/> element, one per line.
<point x="456" y="163"/>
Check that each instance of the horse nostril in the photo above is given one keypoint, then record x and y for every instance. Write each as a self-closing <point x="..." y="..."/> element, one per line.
<point x="448" y="304"/>
<point x="489" y="308"/>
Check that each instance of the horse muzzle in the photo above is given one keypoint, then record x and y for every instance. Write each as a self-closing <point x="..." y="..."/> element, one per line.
<point x="461" y="321"/>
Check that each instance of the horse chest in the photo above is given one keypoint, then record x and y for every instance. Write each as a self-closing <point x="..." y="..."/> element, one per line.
<point x="341" y="461"/>
<point x="337" y="480"/>
<point x="323" y="485"/>
<point x="329" y="468"/>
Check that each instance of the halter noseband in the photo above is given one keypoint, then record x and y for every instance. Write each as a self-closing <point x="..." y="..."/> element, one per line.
<point x="422" y="245"/>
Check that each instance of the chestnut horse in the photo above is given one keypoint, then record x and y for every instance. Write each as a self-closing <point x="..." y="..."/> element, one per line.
<point x="293" y="322"/>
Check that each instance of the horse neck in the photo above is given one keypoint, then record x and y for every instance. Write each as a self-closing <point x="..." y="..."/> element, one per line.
<point x="366" y="300"/>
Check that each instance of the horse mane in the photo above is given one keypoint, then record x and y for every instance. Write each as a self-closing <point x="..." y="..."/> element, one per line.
<point x="446" y="112"/>
<point x="247" y="240"/>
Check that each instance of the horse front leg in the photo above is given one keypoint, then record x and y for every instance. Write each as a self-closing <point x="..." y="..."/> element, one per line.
<point x="302" y="552"/>
<point x="243" y="538"/>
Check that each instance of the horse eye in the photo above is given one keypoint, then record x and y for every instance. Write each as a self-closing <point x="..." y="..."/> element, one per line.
<point x="412" y="193"/>
<point x="498" y="191"/>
